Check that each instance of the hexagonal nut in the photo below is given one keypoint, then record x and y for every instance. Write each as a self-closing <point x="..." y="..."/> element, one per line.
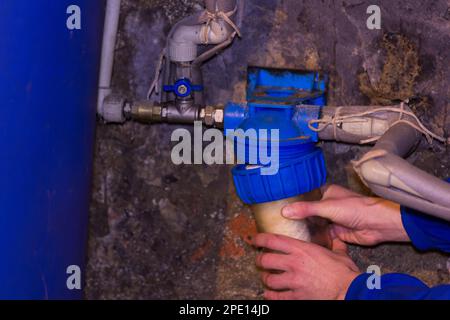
<point x="209" y="116"/>
<point x="219" y="116"/>
<point x="157" y="113"/>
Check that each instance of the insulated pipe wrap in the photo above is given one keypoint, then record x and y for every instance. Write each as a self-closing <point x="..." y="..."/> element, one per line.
<point x="210" y="5"/>
<point x="344" y="136"/>
<point x="226" y="5"/>
<point x="429" y="187"/>
<point x="412" y="202"/>
<point x="220" y="5"/>
<point x="406" y="184"/>
<point x="399" y="140"/>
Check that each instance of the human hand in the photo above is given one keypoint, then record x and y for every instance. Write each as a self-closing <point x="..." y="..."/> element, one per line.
<point x="356" y="219"/>
<point x="309" y="271"/>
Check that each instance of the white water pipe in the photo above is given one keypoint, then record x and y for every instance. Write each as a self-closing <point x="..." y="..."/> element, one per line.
<point x="108" y="47"/>
<point x="185" y="37"/>
<point x="183" y="45"/>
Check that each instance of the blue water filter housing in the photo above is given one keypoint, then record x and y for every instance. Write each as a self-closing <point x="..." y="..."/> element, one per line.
<point x="48" y="94"/>
<point x="285" y="100"/>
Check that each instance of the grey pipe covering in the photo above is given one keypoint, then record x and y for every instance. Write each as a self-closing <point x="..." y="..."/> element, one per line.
<point x="428" y="186"/>
<point x="434" y="193"/>
<point x="210" y="5"/>
<point x="421" y="205"/>
<point x="222" y="5"/>
<point x="399" y="140"/>
<point x="343" y="136"/>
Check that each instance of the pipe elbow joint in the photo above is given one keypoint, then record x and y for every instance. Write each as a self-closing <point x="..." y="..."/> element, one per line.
<point x="374" y="172"/>
<point x="183" y="44"/>
<point x="185" y="40"/>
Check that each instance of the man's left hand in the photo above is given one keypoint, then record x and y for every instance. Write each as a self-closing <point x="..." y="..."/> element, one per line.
<point x="297" y="270"/>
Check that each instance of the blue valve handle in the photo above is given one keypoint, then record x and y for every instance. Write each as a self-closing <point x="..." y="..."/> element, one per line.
<point x="183" y="88"/>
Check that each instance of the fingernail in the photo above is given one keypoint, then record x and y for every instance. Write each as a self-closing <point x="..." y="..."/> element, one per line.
<point x="287" y="212"/>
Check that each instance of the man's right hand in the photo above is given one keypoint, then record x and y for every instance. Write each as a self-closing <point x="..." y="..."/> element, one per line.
<point x="356" y="219"/>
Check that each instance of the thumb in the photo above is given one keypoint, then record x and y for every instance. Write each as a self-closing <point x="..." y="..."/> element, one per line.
<point x="300" y="210"/>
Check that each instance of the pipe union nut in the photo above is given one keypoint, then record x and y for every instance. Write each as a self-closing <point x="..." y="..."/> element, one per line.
<point x="218" y="117"/>
<point x="113" y="109"/>
<point x="212" y="116"/>
<point x="209" y="116"/>
<point x="182" y="51"/>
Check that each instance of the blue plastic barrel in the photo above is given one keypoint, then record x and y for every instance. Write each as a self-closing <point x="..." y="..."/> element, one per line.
<point x="48" y="90"/>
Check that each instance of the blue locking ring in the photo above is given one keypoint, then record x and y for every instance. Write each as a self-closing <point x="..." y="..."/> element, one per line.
<point x="295" y="177"/>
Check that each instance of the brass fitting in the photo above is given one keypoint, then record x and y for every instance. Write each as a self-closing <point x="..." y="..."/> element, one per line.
<point x="213" y="116"/>
<point x="147" y="111"/>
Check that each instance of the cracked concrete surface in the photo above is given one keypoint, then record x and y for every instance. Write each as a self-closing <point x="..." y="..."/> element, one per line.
<point x="160" y="231"/>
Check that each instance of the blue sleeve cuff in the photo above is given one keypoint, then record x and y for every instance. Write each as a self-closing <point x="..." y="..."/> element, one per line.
<point x="426" y="232"/>
<point x="357" y="289"/>
<point x="395" y="286"/>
